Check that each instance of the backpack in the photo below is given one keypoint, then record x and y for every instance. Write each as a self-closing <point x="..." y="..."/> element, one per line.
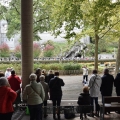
<point x="69" y="112"/>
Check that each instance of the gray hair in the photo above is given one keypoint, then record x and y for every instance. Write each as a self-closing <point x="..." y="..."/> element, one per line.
<point x="3" y="81"/>
<point x="42" y="78"/>
<point x="33" y="76"/>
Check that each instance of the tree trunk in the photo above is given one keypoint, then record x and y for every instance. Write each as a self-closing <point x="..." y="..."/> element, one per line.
<point x="117" y="59"/>
<point x="27" y="40"/>
<point x="96" y="51"/>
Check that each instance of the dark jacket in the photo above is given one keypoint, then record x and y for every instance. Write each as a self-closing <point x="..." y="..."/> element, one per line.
<point x="117" y="84"/>
<point x="84" y="99"/>
<point x="55" y="86"/>
<point x="49" y="76"/>
<point x="107" y="85"/>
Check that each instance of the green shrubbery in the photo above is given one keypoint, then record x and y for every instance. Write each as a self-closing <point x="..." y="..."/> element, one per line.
<point x="50" y="66"/>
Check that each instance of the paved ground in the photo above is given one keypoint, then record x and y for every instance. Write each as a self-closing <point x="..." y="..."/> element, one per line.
<point x="71" y="90"/>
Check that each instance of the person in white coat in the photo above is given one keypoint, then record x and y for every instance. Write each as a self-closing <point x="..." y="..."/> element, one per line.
<point x="94" y="88"/>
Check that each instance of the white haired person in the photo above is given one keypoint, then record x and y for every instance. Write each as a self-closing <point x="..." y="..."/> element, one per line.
<point x="46" y="89"/>
<point x="34" y="95"/>
<point x="7" y="97"/>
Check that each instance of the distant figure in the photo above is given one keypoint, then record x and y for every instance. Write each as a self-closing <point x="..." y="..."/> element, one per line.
<point x="117" y="84"/>
<point x="15" y="82"/>
<point x="7" y="97"/>
<point x="46" y="90"/>
<point x="45" y="74"/>
<point x="2" y="74"/>
<point x="7" y="72"/>
<point x="38" y="73"/>
<point x="50" y="75"/>
<point x="94" y="89"/>
<point x="34" y="94"/>
<point x="107" y="84"/>
<point x="85" y="74"/>
<point x="84" y="99"/>
<point x="56" y="93"/>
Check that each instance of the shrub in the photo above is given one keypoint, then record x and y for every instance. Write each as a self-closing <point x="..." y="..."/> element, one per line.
<point x="71" y="66"/>
<point x="4" y="50"/>
<point x="18" y="51"/>
<point x="36" y="50"/>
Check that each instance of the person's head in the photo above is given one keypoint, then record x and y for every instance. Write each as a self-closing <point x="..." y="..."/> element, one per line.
<point x="85" y="89"/>
<point x="50" y="72"/>
<point x="3" y="81"/>
<point x="56" y="73"/>
<point x="13" y="72"/>
<point x="8" y="69"/>
<point x="106" y="71"/>
<point x="42" y="78"/>
<point x="2" y="74"/>
<point x="33" y="77"/>
<point x="43" y="72"/>
<point x="38" y="71"/>
<point x="95" y="72"/>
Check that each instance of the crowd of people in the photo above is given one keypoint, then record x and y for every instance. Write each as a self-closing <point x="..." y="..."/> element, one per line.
<point x="45" y="86"/>
<point x="94" y="86"/>
<point x="41" y="88"/>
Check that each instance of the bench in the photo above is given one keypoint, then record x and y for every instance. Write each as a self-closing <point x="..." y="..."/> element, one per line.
<point x="109" y="104"/>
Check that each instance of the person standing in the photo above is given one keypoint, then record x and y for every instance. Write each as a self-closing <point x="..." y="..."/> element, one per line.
<point x="85" y="74"/>
<point x="117" y="84"/>
<point x="34" y="94"/>
<point x="7" y="97"/>
<point x="46" y="90"/>
<point x="50" y="75"/>
<point x="15" y="82"/>
<point x="56" y="93"/>
<point x="94" y="89"/>
<point x="38" y="73"/>
<point x="7" y="72"/>
<point x="107" y="84"/>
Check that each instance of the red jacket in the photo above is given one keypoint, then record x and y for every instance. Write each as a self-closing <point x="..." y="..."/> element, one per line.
<point x="14" y="82"/>
<point x="7" y="97"/>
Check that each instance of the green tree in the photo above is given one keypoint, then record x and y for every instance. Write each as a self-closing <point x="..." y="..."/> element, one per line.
<point x="91" y="21"/>
<point x="13" y="16"/>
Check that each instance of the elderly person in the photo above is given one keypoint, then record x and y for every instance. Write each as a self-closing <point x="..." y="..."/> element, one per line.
<point x="94" y="89"/>
<point x="46" y="89"/>
<point x="7" y="97"/>
<point x="34" y="95"/>
<point x="107" y="84"/>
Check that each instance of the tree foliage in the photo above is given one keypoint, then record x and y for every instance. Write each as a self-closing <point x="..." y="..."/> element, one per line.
<point x="91" y="17"/>
<point x="13" y="16"/>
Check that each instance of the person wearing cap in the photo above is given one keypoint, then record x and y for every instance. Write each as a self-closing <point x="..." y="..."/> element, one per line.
<point x="46" y="89"/>
<point x="34" y="94"/>
<point x="7" y="72"/>
<point x="7" y="97"/>
<point x="15" y="82"/>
